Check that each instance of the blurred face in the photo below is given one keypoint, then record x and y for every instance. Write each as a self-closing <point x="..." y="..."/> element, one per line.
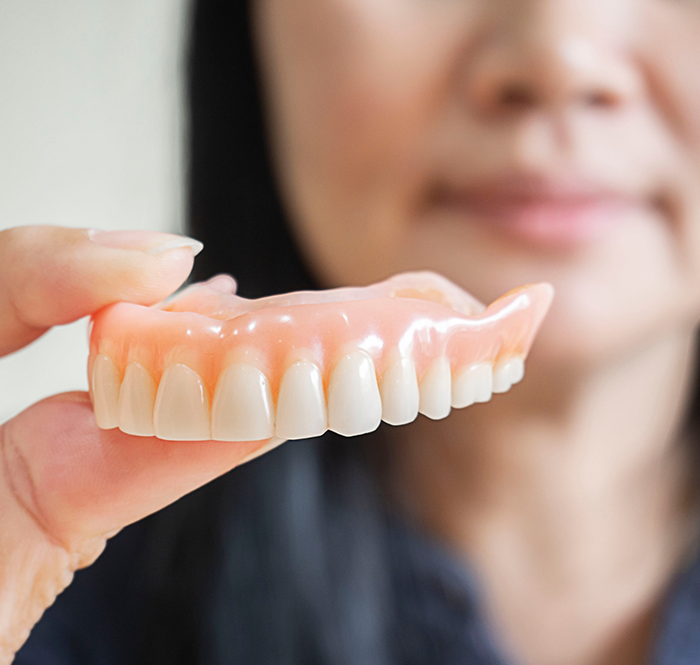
<point x="498" y="142"/>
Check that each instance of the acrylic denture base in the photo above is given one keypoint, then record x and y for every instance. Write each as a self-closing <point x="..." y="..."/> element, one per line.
<point x="208" y="364"/>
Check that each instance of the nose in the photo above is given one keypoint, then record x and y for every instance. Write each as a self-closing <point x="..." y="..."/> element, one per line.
<point x="552" y="54"/>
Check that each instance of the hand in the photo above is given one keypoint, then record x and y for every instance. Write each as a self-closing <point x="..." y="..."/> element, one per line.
<point x="65" y="485"/>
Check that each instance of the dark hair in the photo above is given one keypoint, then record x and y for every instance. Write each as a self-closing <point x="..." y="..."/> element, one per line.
<point x="234" y="206"/>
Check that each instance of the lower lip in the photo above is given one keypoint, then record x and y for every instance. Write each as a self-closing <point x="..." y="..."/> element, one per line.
<point x="551" y="223"/>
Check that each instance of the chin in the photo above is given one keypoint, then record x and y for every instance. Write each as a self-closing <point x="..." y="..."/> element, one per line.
<point x="612" y="297"/>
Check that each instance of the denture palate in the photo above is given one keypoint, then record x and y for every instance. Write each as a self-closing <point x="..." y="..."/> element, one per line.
<point x="207" y="364"/>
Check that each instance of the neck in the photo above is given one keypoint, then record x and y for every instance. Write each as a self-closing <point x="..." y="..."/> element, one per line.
<point x="568" y="495"/>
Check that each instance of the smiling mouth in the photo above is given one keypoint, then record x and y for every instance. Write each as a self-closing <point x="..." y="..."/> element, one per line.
<point x="544" y="212"/>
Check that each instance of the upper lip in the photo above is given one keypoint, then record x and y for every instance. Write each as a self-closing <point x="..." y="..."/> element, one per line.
<point x="533" y="189"/>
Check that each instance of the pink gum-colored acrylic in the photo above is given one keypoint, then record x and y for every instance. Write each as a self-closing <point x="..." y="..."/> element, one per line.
<point x="414" y="315"/>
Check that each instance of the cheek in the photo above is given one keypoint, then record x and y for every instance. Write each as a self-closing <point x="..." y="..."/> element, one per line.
<point x="355" y="87"/>
<point x="671" y="56"/>
<point x="617" y="297"/>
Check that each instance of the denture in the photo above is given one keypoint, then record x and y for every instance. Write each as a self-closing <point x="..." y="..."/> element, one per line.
<point x="208" y="364"/>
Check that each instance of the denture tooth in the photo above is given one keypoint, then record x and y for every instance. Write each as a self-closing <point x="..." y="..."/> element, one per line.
<point x="105" y="392"/>
<point x="517" y="370"/>
<point x="301" y="403"/>
<point x="503" y="374"/>
<point x="506" y="373"/>
<point x="242" y="409"/>
<point x="435" y="390"/>
<point x="182" y="406"/>
<point x="484" y="382"/>
<point x="136" y="400"/>
<point x="501" y="379"/>
<point x="399" y="391"/>
<point x="354" y="403"/>
<point x="470" y="384"/>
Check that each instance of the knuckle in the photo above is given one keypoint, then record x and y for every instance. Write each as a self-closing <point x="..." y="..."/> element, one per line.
<point x="18" y="477"/>
<point x="35" y="271"/>
<point x="18" y="240"/>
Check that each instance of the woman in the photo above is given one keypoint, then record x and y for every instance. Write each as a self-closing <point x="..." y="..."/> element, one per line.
<point x="497" y="143"/>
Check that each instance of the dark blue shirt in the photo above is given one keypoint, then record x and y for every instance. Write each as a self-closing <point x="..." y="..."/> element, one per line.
<point x="99" y="618"/>
<point x="300" y="563"/>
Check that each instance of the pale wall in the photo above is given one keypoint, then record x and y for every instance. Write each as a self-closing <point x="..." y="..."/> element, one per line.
<point x="91" y="128"/>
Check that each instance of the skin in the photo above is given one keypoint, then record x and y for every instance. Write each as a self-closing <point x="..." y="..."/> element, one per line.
<point x="572" y="495"/>
<point x="65" y="485"/>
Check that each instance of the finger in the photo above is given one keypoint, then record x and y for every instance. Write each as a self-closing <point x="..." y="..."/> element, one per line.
<point x="51" y="275"/>
<point x="79" y="482"/>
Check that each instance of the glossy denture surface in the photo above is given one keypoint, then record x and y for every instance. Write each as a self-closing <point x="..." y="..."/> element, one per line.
<point x="208" y="363"/>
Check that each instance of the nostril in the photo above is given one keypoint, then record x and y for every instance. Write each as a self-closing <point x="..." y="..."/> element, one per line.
<point x="516" y="96"/>
<point x="601" y="99"/>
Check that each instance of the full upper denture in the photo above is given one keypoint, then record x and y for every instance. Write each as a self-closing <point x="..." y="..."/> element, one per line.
<point x="209" y="364"/>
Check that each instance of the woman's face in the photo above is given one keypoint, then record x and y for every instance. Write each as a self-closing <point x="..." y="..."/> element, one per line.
<point x="498" y="142"/>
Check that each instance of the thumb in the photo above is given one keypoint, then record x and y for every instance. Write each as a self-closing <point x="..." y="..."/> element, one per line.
<point x="79" y="482"/>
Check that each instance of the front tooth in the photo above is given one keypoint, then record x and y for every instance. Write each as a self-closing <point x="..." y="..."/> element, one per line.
<point x="399" y="391"/>
<point x="436" y="390"/>
<point x="354" y="404"/>
<point x="136" y="400"/>
<point x="301" y="404"/>
<point x="181" y="412"/>
<point x="105" y="392"/>
<point x="242" y="409"/>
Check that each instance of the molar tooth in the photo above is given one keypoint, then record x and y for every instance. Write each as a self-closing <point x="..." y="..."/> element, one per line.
<point x="242" y="409"/>
<point x="301" y="404"/>
<point x="105" y="392"/>
<point x="472" y="385"/>
<point x="182" y="406"/>
<point x="399" y="391"/>
<point x="354" y="404"/>
<point x="436" y="390"/>
<point x="136" y="400"/>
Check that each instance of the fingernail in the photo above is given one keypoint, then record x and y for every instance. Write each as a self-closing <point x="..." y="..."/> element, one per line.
<point x="151" y="242"/>
<point x="222" y="283"/>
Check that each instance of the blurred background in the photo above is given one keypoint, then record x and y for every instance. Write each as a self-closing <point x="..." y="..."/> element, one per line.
<point x="91" y="126"/>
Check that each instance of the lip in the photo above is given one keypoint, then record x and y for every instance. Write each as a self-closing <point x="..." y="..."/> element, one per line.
<point x="548" y="212"/>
